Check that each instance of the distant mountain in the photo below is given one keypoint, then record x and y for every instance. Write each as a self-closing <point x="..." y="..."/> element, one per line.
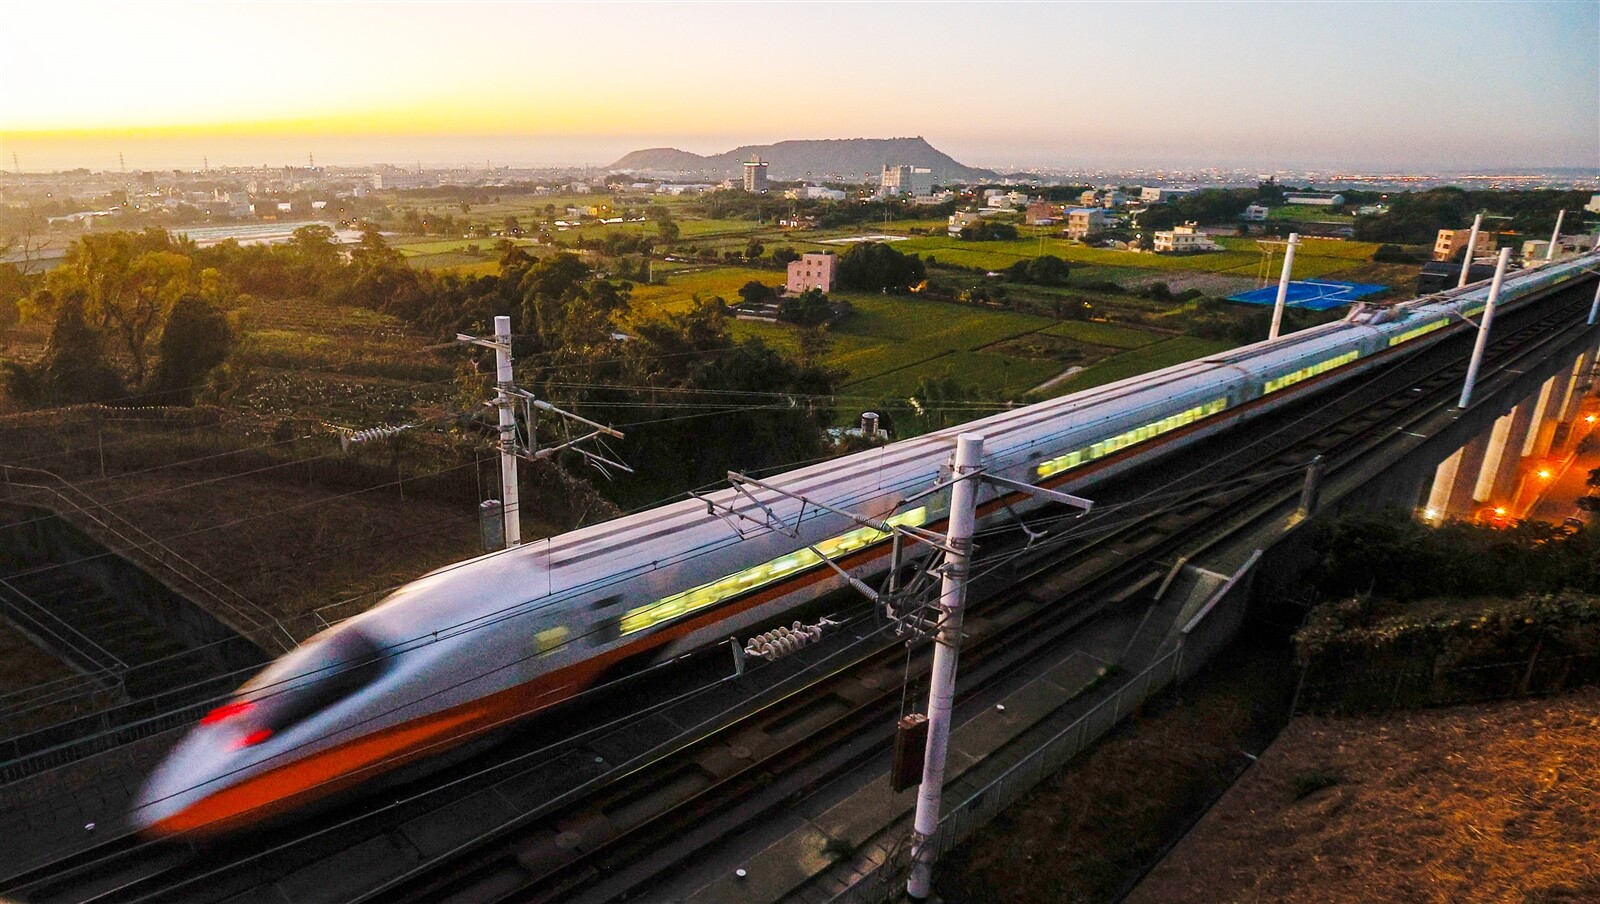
<point x="833" y="159"/>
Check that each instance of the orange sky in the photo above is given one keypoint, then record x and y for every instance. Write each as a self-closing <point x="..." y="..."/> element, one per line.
<point x="992" y="83"/>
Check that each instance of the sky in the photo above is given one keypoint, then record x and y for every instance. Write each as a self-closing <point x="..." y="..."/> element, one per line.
<point x="1360" y="86"/>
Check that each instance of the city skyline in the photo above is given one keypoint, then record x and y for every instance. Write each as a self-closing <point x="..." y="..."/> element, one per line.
<point x="1376" y="86"/>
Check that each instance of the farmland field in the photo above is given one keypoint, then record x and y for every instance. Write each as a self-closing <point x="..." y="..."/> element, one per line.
<point x="1104" y="334"/>
<point x="1142" y="360"/>
<point x="1308" y="214"/>
<point x="677" y="294"/>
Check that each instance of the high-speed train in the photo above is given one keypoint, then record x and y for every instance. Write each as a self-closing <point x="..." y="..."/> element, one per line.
<point x="476" y="645"/>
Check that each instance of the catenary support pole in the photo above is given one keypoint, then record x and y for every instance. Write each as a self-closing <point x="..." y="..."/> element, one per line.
<point x="1594" y="306"/>
<point x="508" y="431"/>
<point x="1483" y="327"/>
<point x="942" y="689"/>
<point x="1555" y="236"/>
<point x="1472" y="248"/>
<point x="1283" y="285"/>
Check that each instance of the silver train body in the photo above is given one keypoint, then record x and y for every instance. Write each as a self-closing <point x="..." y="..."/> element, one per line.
<point x="489" y="640"/>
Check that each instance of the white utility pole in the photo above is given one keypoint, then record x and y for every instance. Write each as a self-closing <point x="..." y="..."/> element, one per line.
<point x="1472" y="248"/>
<point x="1483" y="328"/>
<point x="1550" y="253"/>
<point x="511" y="447"/>
<point x="1283" y="285"/>
<point x="501" y="343"/>
<point x="508" y="431"/>
<point x="947" y="645"/>
<point x="1594" y="307"/>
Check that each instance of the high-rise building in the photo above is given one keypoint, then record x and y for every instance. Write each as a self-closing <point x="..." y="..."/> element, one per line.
<point x="915" y="181"/>
<point x="755" y="174"/>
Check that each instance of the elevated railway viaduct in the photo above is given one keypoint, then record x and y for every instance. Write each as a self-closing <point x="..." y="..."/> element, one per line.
<point x="773" y="786"/>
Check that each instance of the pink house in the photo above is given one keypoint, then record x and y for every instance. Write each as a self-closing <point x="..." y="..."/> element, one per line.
<point x="812" y="271"/>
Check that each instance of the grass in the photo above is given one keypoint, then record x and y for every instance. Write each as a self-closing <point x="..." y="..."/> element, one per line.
<point x="1306" y="213"/>
<point x="1104" y="334"/>
<point x="1141" y="360"/>
<point x="989" y="373"/>
<point x="1469" y="803"/>
<point x="677" y="294"/>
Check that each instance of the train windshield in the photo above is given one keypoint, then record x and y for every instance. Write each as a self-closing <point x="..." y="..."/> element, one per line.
<point x="313" y="677"/>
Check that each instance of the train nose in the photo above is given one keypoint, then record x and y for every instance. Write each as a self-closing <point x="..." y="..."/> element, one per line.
<point x="207" y="767"/>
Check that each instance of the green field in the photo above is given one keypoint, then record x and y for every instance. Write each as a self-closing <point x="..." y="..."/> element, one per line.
<point x="1242" y="257"/>
<point x="1108" y="334"/>
<point x="677" y="294"/>
<point x="1307" y="214"/>
<point x="1141" y="360"/>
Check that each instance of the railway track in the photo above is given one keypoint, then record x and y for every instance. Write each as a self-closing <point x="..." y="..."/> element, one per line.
<point x="478" y="841"/>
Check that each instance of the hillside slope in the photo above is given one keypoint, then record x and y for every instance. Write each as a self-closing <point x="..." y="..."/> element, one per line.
<point x="846" y="159"/>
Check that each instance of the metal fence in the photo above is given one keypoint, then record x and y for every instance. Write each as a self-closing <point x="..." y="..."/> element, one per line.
<point x="1211" y="628"/>
<point x="1426" y="683"/>
<point x="976" y="810"/>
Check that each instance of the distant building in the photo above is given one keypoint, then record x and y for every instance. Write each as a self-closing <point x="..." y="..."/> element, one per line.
<point x="961" y="219"/>
<point x="1314" y="199"/>
<point x="812" y="271"/>
<point x="1436" y="276"/>
<point x="907" y="180"/>
<point x="1153" y="195"/>
<point x="1082" y="221"/>
<point x="1041" y="213"/>
<point x="814" y="193"/>
<point x="1451" y="241"/>
<point x="1112" y="198"/>
<point x="398" y="179"/>
<point x="755" y="175"/>
<point x="1185" y="238"/>
<point x="1005" y="201"/>
<point x="1090" y="198"/>
<point x="1594" y="204"/>
<point x="1536" y="249"/>
<point x="798" y="221"/>
<point x="690" y="188"/>
<point x="1255" y="213"/>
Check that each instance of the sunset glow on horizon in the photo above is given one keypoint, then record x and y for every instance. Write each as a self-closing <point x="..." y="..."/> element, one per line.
<point x="1011" y="83"/>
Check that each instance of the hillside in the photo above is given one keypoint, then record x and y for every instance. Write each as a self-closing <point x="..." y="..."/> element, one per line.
<point x="844" y="159"/>
<point x="1493" y="803"/>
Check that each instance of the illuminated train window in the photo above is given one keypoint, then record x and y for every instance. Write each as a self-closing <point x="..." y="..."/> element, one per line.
<point x="1306" y="373"/>
<point x="766" y="573"/>
<point x="1413" y="333"/>
<point x="1137" y="435"/>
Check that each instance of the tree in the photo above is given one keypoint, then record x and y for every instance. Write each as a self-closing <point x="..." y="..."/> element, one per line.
<point x="755" y="291"/>
<point x="1047" y="270"/>
<point x="988" y="231"/>
<point x="874" y="266"/>
<point x="785" y="255"/>
<point x="128" y="283"/>
<point x="754" y="249"/>
<point x="195" y="340"/>
<point x="74" y="368"/>
<point x="512" y="226"/>
<point x="809" y="308"/>
<point x="668" y="230"/>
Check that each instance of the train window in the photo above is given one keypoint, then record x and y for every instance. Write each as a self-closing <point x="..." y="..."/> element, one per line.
<point x="1410" y="334"/>
<point x="315" y="677"/>
<point x="551" y="638"/>
<point x="1306" y="373"/>
<point x="1137" y="435"/>
<point x="696" y="598"/>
